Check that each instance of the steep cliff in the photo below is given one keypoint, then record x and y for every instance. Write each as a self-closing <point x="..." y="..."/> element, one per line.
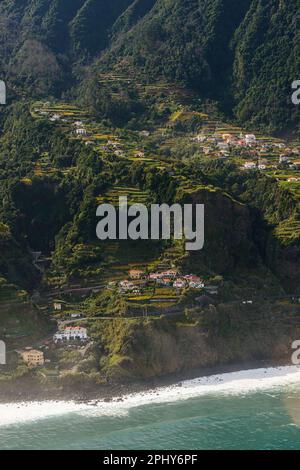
<point x="213" y="336"/>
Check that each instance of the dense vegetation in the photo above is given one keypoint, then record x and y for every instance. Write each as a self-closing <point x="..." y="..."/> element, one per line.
<point x="53" y="210"/>
<point x="131" y="97"/>
<point x="243" y="54"/>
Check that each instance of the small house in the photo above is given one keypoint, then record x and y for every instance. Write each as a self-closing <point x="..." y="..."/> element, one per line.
<point x="179" y="284"/>
<point x="33" y="358"/>
<point x="250" y="139"/>
<point x="192" y="278"/>
<point x="144" y="133"/>
<point x="126" y="285"/>
<point x="136" y="274"/>
<point x="196" y="285"/>
<point x="76" y="315"/>
<point x="250" y="166"/>
<point x="55" y="117"/>
<point x="154" y="276"/>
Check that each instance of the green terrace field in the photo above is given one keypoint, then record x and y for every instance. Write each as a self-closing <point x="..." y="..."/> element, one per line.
<point x="10" y="293"/>
<point x="293" y="186"/>
<point x="134" y="195"/>
<point x="160" y="148"/>
<point x="64" y="110"/>
<point x="157" y="297"/>
<point x="288" y="231"/>
<point x="122" y="256"/>
<point x="160" y="91"/>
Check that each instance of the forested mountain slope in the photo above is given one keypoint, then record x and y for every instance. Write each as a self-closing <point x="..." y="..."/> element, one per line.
<point x="242" y="53"/>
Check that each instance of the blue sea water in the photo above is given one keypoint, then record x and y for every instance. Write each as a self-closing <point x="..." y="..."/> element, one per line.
<point x="266" y="418"/>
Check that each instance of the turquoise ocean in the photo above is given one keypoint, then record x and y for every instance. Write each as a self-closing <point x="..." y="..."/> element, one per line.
<point x="255" y="409"/>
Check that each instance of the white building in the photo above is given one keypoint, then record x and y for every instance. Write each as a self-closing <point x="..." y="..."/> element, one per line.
<point x="196" y="285"/>
<point x="199" y="138"/>
<point x="81" y="131"/>
<point x="283" y="158"/>
<point x="119" y="153"/>
<point x="144" y="133"/>
<point x="71" y="333"/>
<point x="55" y="117"/>
<point x="127" y="285"/>
<point x="250" y="166"/>
<point x="179" y="284"/>
<point x="250" y="139"/>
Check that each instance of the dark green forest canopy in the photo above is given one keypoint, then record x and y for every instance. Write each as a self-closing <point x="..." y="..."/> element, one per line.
<point x="242" y="53"/>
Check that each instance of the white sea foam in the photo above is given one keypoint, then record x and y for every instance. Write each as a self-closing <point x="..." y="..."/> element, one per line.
<point x="233" y="383"/>
<point x="13" y="413"/>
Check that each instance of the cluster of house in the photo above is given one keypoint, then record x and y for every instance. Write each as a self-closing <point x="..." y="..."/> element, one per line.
<point x="254" y="166"/>
<point x="226" y="143"/>
<point x="34" y="357"/>
<point x="263" y="165"/>
<point x="115" y="147"/>
<point x="53" y="117"/>
<point x="169" y="278"/>
<point x="71" y="333"/>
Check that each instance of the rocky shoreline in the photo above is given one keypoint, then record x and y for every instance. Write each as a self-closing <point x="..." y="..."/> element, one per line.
<point x="117" y="392"/>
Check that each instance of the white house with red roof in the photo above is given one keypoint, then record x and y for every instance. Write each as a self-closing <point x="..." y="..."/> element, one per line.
<point x="126" y="285"/>
<point x="192" y="277"/>
<point x="154" y="276"/>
